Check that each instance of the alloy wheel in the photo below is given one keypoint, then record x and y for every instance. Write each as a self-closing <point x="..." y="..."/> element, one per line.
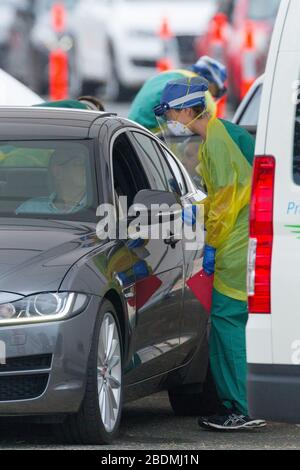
<point x="109" y="372"/>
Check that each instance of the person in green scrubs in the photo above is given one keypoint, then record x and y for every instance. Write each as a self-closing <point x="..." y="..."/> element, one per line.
<point x="150" y="94"/>
<point x="225" y="156"/>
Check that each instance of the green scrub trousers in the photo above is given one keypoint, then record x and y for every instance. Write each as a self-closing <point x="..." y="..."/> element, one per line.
<point x="228" y="351"/>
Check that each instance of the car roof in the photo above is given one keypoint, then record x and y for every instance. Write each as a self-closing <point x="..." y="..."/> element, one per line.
<point x="47" y="123"/>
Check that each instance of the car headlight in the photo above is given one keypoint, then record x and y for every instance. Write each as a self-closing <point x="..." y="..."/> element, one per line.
<point x="43" y="307"/>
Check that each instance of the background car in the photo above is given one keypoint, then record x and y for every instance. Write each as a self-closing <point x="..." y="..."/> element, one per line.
<point x="101" y="319"/>
<point x="239" y="35"/>
<point x="247" y="113"/>
<point x="136" y="44"/>
<point x="14" y="93"/>
<point x="120" y="42"/>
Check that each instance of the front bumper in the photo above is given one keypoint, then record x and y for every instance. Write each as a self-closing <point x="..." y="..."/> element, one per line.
<point x="46" y="364"/>
<point x="274" y="392"/>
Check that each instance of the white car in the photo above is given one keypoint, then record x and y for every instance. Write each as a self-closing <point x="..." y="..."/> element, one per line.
<point x="133" y="36"/>
<point x="14" y="93"/>
<point x="273" y="331"/>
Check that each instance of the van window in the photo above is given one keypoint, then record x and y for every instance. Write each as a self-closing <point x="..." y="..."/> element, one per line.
<point x="296" y="165"/>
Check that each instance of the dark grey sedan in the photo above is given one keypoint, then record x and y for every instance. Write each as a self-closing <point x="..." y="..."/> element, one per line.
<point x="88" y="323"/>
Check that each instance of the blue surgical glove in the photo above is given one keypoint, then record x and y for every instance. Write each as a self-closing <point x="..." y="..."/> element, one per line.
<point x="189" y="215"/>
<point x="209" y="260"/>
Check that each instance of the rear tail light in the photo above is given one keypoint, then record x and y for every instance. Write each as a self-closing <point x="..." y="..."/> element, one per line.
<point x="261" y="235"/>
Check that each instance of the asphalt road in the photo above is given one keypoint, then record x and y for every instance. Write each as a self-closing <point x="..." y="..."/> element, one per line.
<point x="149" y="424"/>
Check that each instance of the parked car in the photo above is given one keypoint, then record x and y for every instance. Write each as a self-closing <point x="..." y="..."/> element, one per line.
<point x="14" y="93"/>
<point x="273" y="343"/>
<point x="239" y="34"/>
<point x="247" y="113"/>
<point x="134" y="42"/>
<point x="88" y="322"/>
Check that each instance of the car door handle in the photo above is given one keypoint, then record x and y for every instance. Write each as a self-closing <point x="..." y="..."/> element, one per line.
<point x="171" y="241"/>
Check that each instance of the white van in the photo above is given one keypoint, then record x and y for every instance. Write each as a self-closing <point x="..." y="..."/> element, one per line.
<point x="273" y="332"/>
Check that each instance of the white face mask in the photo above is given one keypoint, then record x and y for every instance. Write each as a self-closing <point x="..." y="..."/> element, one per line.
<point x="178" y="129"/>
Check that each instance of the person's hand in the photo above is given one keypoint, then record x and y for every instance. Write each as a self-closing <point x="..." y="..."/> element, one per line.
<point x="209" y="259"/>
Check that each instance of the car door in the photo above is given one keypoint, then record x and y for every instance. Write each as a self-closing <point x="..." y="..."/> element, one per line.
<point x="194" y="318"/>
<point x="157" y="266"/>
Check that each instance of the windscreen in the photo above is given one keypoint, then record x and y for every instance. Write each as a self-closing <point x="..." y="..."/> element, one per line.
<point x="47" y="180"/>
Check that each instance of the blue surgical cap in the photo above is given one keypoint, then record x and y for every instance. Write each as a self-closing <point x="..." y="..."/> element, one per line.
<point x="183" y="93"/>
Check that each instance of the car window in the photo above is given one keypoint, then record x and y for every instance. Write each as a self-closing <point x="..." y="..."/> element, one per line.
<point x="177" y="172"/>
<point x="251" y="113"/>
<point x="48" y="180"/>
<point x="187" y="151"/>
<point x="296" y="166"/>
<point x="158" y="170"/>
<point x="261" y="10"/>
<point x="128" y="173"/>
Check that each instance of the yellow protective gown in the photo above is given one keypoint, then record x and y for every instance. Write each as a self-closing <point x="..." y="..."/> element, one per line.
<point x="227" y="175"/>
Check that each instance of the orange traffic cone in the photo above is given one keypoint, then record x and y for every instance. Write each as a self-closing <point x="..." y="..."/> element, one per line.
<point x="217" y="44"/>
<point x="166" y="62"/>
<point x="217" y="37"/>
<point x="58" y="15"/>
<point x="222" y="107"/>
<point x="58" y="59"/>
<point x="58" y="75"/>
<point x="249" y="62"/>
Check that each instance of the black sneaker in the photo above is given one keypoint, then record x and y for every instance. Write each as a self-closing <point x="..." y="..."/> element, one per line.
<point x="231" y="422"/>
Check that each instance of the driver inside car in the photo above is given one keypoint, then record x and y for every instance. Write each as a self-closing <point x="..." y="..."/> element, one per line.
<point x="68" y="183"/>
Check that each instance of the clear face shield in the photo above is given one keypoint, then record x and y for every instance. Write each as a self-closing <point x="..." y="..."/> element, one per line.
<point x="185" y="145"/>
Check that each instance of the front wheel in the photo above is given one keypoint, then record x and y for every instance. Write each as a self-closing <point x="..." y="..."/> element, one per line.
<point x="99" y="417"/>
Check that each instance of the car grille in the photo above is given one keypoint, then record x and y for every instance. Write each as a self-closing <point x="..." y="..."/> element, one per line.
<point x="27" y="363"/>
<point x="22" y="387"/>
<point x="24" y="377"/>
<point x="144" y="63"/>
<point x="187" y="49"/>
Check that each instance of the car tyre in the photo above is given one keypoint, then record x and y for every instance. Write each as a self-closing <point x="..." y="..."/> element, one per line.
<point x="98" y="420"/>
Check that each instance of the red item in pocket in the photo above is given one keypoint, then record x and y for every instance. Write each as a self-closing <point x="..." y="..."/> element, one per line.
<point x="202" y="286"/>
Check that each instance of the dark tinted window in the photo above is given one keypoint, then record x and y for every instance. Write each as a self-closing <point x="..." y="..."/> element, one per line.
<point x="177" y="172"/>
<point x="158" y="171"/>
<point x="129" y="176"/>
<point x="297" y="147"/>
